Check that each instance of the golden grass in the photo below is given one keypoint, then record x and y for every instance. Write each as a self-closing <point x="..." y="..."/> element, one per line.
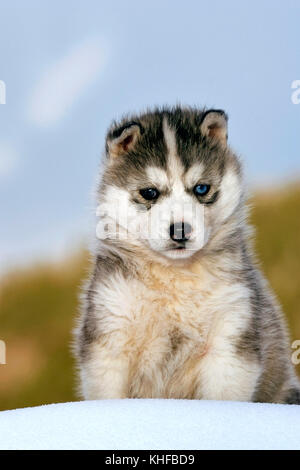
<point x="38" y="305"/>
<point x="37" y="309"/>
<point x="277" y="222"/>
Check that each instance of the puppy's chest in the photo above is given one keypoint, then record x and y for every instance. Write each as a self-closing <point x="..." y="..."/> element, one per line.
<point x="176" y="310"/>
<point x="168" y="337"/>
<point x="172" y="321"/>
<point x="168" y="327"/>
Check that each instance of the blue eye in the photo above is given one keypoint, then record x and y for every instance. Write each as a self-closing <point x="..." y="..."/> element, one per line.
<point x="201" y="189"/>
<point x="149" y="194"/>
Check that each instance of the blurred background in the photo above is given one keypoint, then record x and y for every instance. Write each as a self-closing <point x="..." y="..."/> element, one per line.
<point x="69" y="68"/>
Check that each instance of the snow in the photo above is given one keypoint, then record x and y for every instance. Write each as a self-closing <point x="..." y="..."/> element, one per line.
<point x="152" y="424"/>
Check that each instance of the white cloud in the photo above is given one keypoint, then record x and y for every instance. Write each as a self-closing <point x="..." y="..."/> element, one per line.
<point x="8" y="159"/>
<point x="65" y="80"/>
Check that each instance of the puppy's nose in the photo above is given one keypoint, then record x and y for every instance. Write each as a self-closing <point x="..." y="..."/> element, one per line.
<point x="180" y="231"/>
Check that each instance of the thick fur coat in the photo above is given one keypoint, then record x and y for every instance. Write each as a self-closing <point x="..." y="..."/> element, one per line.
<point x="187" y="317"/>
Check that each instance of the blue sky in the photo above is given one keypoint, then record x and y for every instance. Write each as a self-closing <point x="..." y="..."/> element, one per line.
<point x="72" y="66"/>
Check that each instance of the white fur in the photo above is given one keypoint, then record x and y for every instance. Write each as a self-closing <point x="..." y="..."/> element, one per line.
<point x="193" y="175"/>
<point x="231" y="191"/>
<point x="157" y="176"/>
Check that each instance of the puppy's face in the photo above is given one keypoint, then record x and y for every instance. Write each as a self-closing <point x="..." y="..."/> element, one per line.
<point x="170" y="182"/>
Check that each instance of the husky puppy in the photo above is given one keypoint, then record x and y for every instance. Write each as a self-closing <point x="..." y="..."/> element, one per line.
<point x="175" y="306"/>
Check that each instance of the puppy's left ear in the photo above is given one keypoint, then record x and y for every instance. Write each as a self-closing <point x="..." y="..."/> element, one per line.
<point x="214" y="125"/>
<point x="123" y="139"/>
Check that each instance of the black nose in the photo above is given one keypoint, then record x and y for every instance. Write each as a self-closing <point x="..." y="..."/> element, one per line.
<point x="180" y="232"/>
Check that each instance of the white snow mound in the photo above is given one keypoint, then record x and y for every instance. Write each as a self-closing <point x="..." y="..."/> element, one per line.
<point x="152" y="424"/>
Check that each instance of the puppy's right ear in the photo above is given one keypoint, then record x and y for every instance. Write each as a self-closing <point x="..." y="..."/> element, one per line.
<point x="123" y="139"/>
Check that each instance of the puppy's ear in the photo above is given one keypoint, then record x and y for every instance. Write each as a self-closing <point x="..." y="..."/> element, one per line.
<point x="123" y="139"/>
<point x="214" y="125"/>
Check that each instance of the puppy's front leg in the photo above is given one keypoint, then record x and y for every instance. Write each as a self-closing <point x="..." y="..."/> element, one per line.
<point x="104" y="374"/>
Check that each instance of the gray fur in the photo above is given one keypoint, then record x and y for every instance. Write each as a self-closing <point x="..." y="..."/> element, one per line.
<point x="229" y="251"/>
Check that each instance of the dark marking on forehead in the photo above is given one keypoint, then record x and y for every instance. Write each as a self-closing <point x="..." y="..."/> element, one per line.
<point x="192" y="146"/>
<point x="151" y="150"/>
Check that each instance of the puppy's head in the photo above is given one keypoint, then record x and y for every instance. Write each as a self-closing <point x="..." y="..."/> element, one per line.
<point x="170" y="184"/>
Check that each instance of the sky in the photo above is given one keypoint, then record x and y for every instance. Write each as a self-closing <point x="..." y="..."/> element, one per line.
<point x="71" y="66"/>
